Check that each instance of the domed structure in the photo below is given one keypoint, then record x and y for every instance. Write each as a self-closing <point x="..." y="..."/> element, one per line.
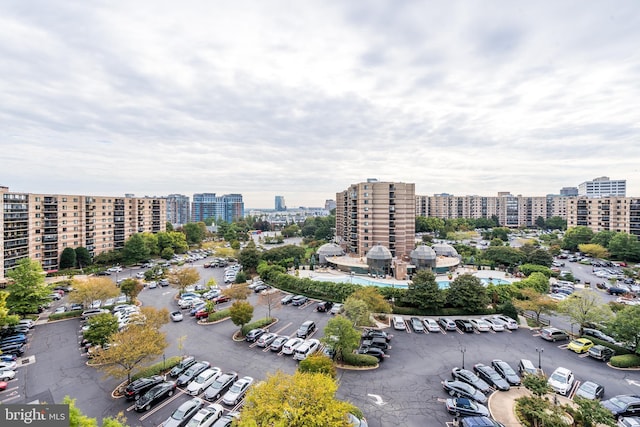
<point x="423" y="257"/>
<point x="443" y="249"/>
<point x="379" y="260"/>
<point x="328" y="250"/>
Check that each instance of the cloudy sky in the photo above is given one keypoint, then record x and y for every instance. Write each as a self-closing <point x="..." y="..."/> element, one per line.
<point x="304" y="98"/>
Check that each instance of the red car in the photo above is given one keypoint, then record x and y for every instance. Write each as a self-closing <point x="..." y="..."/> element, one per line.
<point x="3" y="385"/>
<point x="202" y="313"/>
<point x="221" y="299"/>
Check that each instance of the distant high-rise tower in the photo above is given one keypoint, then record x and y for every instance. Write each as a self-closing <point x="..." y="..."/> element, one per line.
<point x="207" y="205"/>
<point x="178" y="209"/>
<point x="569" y="191"/>
<point x="329" y="204"/>
<point x="603" y="187"/>
<point x="280" y="204"/>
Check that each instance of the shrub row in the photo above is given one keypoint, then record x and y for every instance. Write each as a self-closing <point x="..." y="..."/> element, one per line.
<point x="618" y="349"/>
<point x="260" y="323"/>
<point x="157" y="369"/>
<point x="218" y="315"/>
<point x="625" y="361"/>
<point x="65" y="315"/>
<point x="355" y="359"/>
<point x="446" y="311"/>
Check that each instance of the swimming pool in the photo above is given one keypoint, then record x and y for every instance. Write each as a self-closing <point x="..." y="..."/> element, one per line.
<point x="442" y="284"/>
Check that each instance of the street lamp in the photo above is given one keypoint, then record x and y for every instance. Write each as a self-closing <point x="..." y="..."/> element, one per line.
<point x="463" y="350"/>
<point x="539" y="350"/>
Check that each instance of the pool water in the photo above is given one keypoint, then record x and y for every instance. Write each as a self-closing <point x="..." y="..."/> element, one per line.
<point x="442" y="284"/>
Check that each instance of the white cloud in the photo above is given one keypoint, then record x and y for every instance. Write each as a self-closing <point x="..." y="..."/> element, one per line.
<point x="305" y="98"/>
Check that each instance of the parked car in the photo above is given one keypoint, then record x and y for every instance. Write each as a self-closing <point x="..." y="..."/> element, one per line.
<point x="623" y="405"/>
<point x="376" y="333"/>
<point x="580" y="345"/>
<point x="464" y="325"/>
<point x="203" y="380"/>
<point x="254" y="334"/>
<point x="141" y="386"/>
<point x="307" y="328"/>
<point x="398" y="323"/>
<point x="601" y="352"/>
<point x="181" y="416"/>
<point x="462" y="389"/>
<point x="553" y="334"/>
<point x="470" y="378"/>
<point x="266" y="339"/>
<point x="628" y="422"/>
<point x="299" y="300"/>
<point x="337" y="308"/>
<point x="221" y="298"/>
<point x="465" y="407"/>
<point x="185" y="364"/>
<point x="447" y="324"/>
<point x="526" y="367"/>
<point x="590" y="390"/>
<point x="431" y="325"/>
<point x="506" y="371"/>
<point x="495" y="325"/>
<point x="191" y="373"/>
<point x="176" y="316"/>
<point x="416" y="325"/>
<point x="590" y="332"/>
<point x="376" y="352"/>
<point x="206" y="416"/>
<point x="491" y="376"/>
<point x="307" y="348"/>
<point x="237" y="391"/>
<point x="479" y="422"/>
<point x="287" y="299"/>
<point x="324" y="306"/>
<point x="561" y="381"/>
<point x="290" y="346"/>
<point x="278" y="343"/>
<point x="7" y="374"/>
<point x="480" y="325"/>
<point x="380" y="343"/>
<point x="154" y="395"/>
<point x="220" y="385"/>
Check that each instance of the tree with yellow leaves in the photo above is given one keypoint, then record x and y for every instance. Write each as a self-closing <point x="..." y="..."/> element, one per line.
<point x="184" y="277"/>
<point x="92" y="289"/>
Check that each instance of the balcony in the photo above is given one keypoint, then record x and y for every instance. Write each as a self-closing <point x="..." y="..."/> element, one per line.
<point x="50" y="238"/>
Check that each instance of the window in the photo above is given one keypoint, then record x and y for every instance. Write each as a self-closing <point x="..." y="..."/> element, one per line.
<point x="37" y="255"/>
<point x="64" y="245"/>
<point x="37" y="215"/>
<point x="37" y="199"/>
<point x="64" y="228"/>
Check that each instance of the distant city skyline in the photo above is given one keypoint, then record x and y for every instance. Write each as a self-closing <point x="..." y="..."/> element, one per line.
<point x="302" y="99"/>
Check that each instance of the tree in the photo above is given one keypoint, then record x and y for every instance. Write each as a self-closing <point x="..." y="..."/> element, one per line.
<point x="151" y="242"/>
<point x="592" y="413"/>
<point x="357" y="311"/>
<point x="625" y="246"/>
<point x="626" y="325"/>
<point x="135" y="249"/>
<point x="504" y="255"/>
<point x="249" y="257"/>
<point x="78" y="419"/>
<point x="540" y="257"/>
<point x="167" y="253"/>
<point x="467" y="292"/>
<point x="537" y="281"/>
<point x="372" y="297"/>
<point x="541" y="223"/>
<point x="318" y="363"/>
<point x="91" y="289"/>
<point x="130" y="348"/>
<point x="341" y="336"/>
<point x="68" y="258"/>
<point x="536" y="384"/>
<point x="184" y="277"/>
<point x="423" y="292"/>
<point x="83" y="257"/>
<point x="27" y="290"/>
<point x="238" y="291"/>
<point x="299" y="400"/>
<point x="593" y="250"/>
<point x="241" y="313"/>
<point x="169" y="226"/>
<point x="195" y="232"/>
<point x="585" y="306"/>
<point x="576" y="236"/>
<point x="131" y="288"/>
<point x="5" y="317"/>
<point x="535" y="302"/>
<point x="270" y="300"/>
<point x="556" y="223"/>
<point x="101" y="327"/>
<point x="603" y="238"/>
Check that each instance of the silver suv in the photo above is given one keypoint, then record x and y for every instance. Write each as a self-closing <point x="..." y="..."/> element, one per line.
<point x="553" y="334"/>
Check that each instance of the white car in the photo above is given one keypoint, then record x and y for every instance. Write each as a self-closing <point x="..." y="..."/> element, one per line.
<point x="509" y="323"/>
<point x="480" y="325"/>
<point x="398" y="323"/>
<point x="290" y="346"/>
<point x="176" y="316"/>
<point x="152" y="285"/>
<point x="561" y="381"/>
<point x="237" y="391"/>
<point x="493" y="324"/>
<point x="7" y="374"/>
<point x="115" y="270"/>
<point x="206" y="416"/>
<point x="431" y="325"/>
<point x="203" y="381"/>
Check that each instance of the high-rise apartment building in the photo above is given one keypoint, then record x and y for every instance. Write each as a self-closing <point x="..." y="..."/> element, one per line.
<point x="207" y="205"/>
<point x="41" y="226"/>
<point x="329" y="204"/>
<point x="569" y="191"/>
<point x="281" y="206"/>
<point x="603" y="187"/>
<point x="620" y="214"/>
<point x="375" y="212"/>
<point x="178" y="209"/>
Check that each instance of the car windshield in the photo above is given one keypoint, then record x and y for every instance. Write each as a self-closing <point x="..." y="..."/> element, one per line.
<point x="494" y="375"/>
<point x="617" y="403"/>
<point x="559" y="378"/>
<point x="178" y="414"/>
<point x="235" y="388"/>
<point x="588" y="387"/>
<point x="507" y="370"/>
<point x="577" y="343"/>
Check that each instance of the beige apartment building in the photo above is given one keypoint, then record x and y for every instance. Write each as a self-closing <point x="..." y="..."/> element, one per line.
<point x="375" y="212"/>
<point x="621" y="214"/>
<point x="41" y="226"/>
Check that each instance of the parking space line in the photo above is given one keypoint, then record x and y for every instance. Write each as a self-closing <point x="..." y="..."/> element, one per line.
<point x="283" y="328"/>
<point x="563" y="346"/>
<point x="583" y="355"/>
<point x="155" y="409"/>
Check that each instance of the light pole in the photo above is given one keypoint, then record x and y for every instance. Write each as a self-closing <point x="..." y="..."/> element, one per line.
<point x="539" y="350"/>
<point x="463" y="350"/>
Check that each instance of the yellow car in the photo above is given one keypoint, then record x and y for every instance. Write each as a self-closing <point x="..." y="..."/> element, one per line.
<point x="581" y="345"/>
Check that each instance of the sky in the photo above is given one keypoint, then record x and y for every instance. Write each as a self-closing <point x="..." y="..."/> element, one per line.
<point x="304" y="98"/>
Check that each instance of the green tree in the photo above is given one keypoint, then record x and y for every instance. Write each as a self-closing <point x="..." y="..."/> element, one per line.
<point x="341" y="336"/>
<point x="537" y="281"/>
<point x="169" y="226"/>
<point x="5" y="317"/>
<point x="131" y="288"/>
<point x="535" y="302"/>
<point x="576" y="236"/>
<point x="603" y="238"/>
<point x="503" y="255"/>
<point x="593" y="250"/>
<point x="318" y="363"/>
<point x="626" y="326"/>
<point x="68" y="258"/>
<point x="585" y="306"/>
<point x="357" y="311"/>
<point x="467" y="292"/>
<point x="101" y="327"/>
<point x="592" y="413"/>
<point x="302" y="400"/>
<point x="195" y="232"/>
<point x="625" y="246"/>
<point x="83" y="257"/>
<point x="290" y="230"/>
<point x="241" y="313"/>
<point x="135" y="249"/>
<point x="372" y="297"/>
<point x="556" y="223"/>
<point x="151" y="242"/>
<point x="536" y="384"/>
<point x="249" y="257"/>
<point x="541" y="223"/>
<point x="423" y="292"/>
<point x="78" y="419"/>
<point x="540" y="257"/>
<point x="167" y="253"/>
<point x="27" y="290"/>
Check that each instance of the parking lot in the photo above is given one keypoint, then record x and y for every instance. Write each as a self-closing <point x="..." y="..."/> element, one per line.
<point x="405" y="390"/>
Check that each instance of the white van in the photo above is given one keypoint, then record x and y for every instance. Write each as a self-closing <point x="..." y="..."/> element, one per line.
<point x="306" y="348"/>
<point x="398" y="323"/>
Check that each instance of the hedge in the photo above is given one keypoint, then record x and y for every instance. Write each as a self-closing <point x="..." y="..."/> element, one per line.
<point x="618" y="349"/>
<point x="157" y="369"/>
<point x="625" y="361"/>
<point x="261" y="323"/>
<point x="218" y="315"/>
<point x="355" y="359"/>
<point x="447" y="311"/>
<point x="65" y="315"/>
